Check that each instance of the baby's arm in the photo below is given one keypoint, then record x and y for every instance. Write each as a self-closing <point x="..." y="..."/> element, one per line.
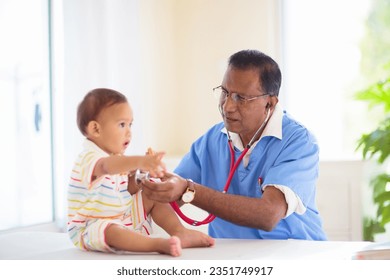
<point x="117" y="164"/>
<point x="132" y="186"/>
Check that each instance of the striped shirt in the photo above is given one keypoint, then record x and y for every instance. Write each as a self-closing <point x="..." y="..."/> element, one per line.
<point x="105" y="198"/>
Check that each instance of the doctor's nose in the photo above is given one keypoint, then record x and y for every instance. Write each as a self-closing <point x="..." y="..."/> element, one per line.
<point x="228" y="105"/>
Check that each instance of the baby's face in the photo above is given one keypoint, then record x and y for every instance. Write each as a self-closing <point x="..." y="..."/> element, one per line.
<point x="115" y="128"/>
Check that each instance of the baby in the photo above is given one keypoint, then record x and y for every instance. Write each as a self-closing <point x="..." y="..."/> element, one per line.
<point x="106" y="211"/>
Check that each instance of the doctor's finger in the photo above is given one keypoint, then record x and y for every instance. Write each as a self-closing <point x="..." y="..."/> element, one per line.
<point x="155" y="186"/>
<point x="160" y="196"/>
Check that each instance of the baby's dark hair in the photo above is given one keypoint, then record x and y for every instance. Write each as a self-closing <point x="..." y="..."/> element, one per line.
<point x="270" y="77"/>
<point x="93" y="103"/>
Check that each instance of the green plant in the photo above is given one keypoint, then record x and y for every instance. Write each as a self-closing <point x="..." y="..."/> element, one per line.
<point x="377" y="144"/>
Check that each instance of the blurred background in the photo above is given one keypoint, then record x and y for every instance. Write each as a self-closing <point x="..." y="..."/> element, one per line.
<point x="166" y="56"/>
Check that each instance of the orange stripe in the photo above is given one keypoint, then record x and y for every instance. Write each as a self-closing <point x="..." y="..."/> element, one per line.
<point x="100" y="217"/>
<point x="139" y="218"/>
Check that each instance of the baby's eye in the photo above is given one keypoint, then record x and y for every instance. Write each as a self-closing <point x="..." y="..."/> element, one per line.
<point x="122" y="124"/>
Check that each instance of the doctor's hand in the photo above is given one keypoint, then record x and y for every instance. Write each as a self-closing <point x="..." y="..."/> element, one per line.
<point x="170" y="188"/>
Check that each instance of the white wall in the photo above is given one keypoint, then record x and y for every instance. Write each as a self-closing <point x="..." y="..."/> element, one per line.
<point x="340" y="191"/>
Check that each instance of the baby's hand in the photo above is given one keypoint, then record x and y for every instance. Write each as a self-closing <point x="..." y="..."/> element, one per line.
<point x="153" y="163"/>
<point x="150" y="151"/>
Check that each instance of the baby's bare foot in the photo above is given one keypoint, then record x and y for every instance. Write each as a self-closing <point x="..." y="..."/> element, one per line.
<point x="175" y="246"/>
<point x="193" y="238"/>
<point x="171" y="246"/>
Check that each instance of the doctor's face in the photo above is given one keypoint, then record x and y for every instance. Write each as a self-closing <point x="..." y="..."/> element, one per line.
<point x="243" y="114"/>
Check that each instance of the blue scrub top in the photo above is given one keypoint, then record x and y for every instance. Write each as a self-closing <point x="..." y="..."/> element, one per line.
<point x="291" y="161"/>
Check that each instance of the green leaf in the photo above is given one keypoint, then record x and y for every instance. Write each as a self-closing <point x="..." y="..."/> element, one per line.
<point x="376" y="142"/>
<point x="371" y="227"/>
<point x="385" y="218"/>
<point x="379" y="185"/>
<point x="377" y="94"/>
<point x="383" y="198"/>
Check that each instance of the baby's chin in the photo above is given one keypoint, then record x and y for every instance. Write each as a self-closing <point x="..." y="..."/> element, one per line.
<point x="117" y="153"/>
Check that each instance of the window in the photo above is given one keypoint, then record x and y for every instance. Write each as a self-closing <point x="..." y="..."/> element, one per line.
<point x="321" y="45"/>
<point x="25" y="119"/>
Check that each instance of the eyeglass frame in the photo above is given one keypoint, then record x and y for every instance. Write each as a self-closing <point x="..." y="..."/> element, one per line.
<point x="239" y="98"/>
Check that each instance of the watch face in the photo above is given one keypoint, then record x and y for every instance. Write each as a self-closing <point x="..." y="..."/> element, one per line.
<point x="188" y="196"/>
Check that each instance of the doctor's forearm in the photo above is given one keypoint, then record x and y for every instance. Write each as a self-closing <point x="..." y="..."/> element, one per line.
<point x="260" y="213"/>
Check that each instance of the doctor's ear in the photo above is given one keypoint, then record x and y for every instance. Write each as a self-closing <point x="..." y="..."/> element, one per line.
<point x="93" y="128"/>
<point x="273" y="100"/>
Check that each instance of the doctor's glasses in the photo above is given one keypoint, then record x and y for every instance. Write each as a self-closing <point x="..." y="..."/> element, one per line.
<point x="222" y="94"/>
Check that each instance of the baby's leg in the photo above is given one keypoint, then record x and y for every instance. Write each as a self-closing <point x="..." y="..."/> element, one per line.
<point x="121" y="238"/>
<point x="166" y="218"/>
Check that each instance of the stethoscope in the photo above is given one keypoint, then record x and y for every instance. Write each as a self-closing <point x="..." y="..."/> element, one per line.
<point x="233" y="167"/>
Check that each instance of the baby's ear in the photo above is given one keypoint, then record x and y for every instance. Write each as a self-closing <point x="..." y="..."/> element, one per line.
<point x="93" y="129"/>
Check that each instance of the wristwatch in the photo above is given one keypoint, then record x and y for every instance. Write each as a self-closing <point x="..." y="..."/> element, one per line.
<point x="189" y="195"/>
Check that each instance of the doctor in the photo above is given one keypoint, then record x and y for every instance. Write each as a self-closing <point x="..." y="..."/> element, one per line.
<point x="261" y="185"/>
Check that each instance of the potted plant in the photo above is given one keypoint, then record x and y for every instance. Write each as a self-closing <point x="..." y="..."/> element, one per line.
<point x="376" y="145"/>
